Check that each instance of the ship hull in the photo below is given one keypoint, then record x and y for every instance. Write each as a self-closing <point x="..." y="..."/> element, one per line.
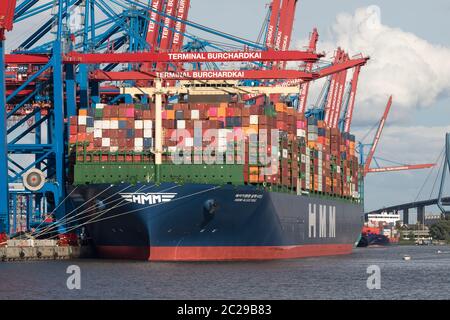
<point x="201" y="222"/>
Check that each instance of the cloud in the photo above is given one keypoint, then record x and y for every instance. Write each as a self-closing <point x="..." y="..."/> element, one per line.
<point x="409" y="145"/>
<point x="415" y="71"/>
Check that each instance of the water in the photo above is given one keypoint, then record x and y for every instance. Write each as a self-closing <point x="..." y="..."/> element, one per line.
<point x="426" y="276"/>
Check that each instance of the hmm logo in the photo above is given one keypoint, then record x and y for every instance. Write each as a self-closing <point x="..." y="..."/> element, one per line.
<point x="148" y="198"/>
<point x="327" y="221"/>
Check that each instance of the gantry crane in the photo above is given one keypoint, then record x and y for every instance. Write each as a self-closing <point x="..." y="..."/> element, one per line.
<point x="7" y="8"/>
<point x="368" y="161"/>
<point x="67" y="69"/>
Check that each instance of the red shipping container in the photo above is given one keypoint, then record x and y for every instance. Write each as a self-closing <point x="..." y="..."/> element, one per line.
<point x="113" y="133"/>
<point x="105" y="133"/>
<point x="114" y="111"/>
<point x="98" y="142"/>
<point x="121" y="133"/>
<point x="122" y="112"/>
<point x="139" y="133"/>
<point x="73" y="130"/>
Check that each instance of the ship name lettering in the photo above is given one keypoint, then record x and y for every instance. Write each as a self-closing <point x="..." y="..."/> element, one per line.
<point x="324" y="221"/>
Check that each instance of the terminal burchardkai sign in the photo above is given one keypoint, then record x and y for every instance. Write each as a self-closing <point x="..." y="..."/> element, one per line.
<point x="235" y="56"/>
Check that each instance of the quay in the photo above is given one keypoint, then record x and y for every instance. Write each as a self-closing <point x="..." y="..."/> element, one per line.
<point x="33" y="250"/>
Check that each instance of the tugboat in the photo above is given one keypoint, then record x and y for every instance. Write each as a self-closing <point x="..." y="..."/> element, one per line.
<point x="371" y="236"/>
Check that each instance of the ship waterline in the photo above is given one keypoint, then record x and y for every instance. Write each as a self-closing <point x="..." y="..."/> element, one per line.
<point x="200" y="222"/>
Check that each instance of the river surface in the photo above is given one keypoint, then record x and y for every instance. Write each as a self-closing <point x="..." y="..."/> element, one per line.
<point x="425" y="276"/>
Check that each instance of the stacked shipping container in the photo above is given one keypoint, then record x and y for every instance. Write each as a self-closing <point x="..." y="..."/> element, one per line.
<point x="312" y="157"/>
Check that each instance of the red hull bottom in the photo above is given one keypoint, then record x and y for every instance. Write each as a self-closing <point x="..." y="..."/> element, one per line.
<point x="222" y="253"/>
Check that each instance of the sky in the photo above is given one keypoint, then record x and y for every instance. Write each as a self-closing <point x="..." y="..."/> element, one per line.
<point x="409" y="46"/>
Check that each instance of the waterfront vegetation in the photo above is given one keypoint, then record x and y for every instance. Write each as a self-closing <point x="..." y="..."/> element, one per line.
<point x="441" y="230"/>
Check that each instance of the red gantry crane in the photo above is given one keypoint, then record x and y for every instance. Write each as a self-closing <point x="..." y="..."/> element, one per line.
<point x="375" y="143"/>
<point x="305" y="87"/>
<point x="351" y="102"/>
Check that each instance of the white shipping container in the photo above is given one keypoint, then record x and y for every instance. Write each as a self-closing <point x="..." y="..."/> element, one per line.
<point x="98" y="124"/>
<point x="195" y="114"/>
<point x="82" y="120"/>
<point x="254" y="119"/>
<point x="100" y="106"/>
<point x="114" y="124"/>
<point x="148" y="133"/>
<point x="138" y="142"/>
<point x="301" y="133"/>
<point x="285" y="153"/>
<point x="114" y="149"/>
<point x="138" y="149"/>
<point x="138" y="124"/>
<point x="106" y="142"/>
<point x="97" y="133"/>
<point x="303" y="158"/>
<point x="181" y="124"/>
<point x="148" y="124"/>
<point x="106" y="124"/>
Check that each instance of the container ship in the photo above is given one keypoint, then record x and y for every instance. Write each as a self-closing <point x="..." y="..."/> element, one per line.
<point x="235" y="181"/>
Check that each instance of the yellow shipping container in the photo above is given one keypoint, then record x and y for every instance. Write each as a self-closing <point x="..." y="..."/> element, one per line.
<point x="170" y="114"/>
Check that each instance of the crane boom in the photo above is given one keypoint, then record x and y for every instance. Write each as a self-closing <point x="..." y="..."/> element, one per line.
<point x="166" y="33"/>
<point x="305" y="87"/>
<point x="273" y="24"/>
<point x="401" y="168"/>
<point x="7" y="8"/>
<point x="182" y="13"/>
<point x="340" y="95"/>
<point x="153" y="31"/>
<point x="376" y="139"/>
<point x="351" y="104"/>
<point x="284" y="15"/>
<point x="289" y="26"/>
<point x="332" y="92"/>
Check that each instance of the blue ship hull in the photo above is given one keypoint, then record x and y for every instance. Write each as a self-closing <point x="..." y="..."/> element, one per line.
<point x="199" y="222"/>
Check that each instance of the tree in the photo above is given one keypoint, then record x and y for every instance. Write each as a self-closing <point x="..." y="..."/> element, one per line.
<point x="441" y="230"/>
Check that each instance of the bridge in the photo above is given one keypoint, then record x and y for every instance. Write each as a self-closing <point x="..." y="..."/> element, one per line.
<point x="419" y="205"/>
